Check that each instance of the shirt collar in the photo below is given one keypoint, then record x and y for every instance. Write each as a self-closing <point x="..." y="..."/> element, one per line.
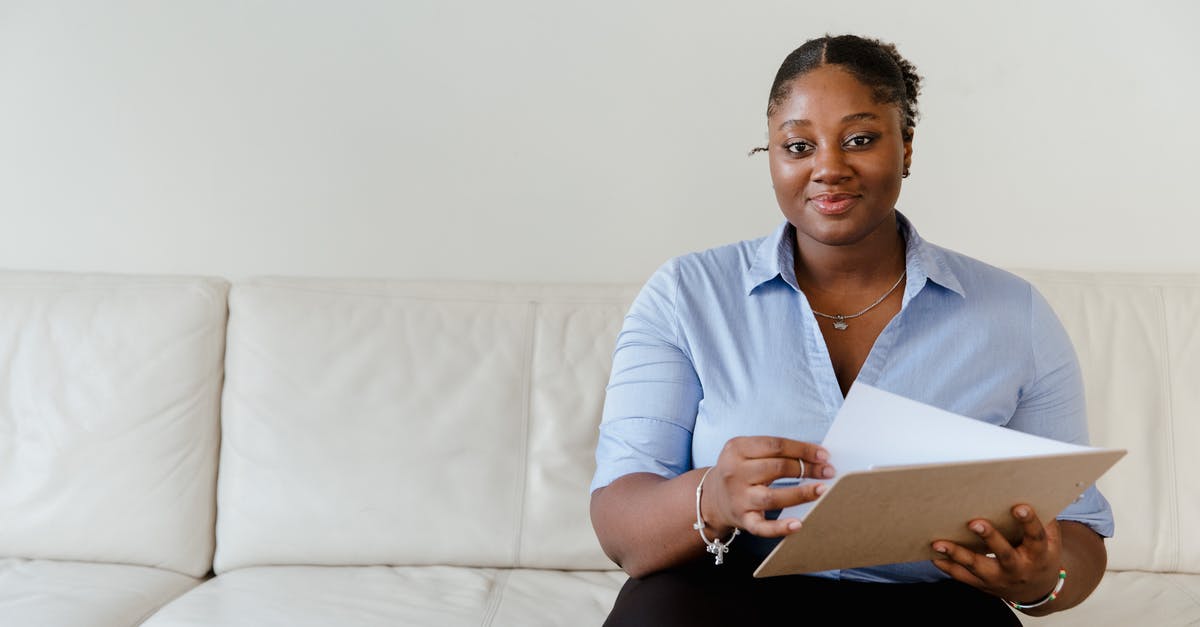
<point x="774" y="260"/>
<point x="773" y="257"/>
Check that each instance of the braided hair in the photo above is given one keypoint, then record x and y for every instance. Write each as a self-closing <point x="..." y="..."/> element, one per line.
<point x="876" y="64"/>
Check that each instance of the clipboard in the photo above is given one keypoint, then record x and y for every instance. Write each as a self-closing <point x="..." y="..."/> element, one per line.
<point x="893" y="514"/>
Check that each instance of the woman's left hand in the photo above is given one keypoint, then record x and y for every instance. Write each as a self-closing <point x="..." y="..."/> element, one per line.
<point x="1025" y="573"/>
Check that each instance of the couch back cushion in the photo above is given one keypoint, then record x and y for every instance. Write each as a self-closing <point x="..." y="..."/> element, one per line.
<point x="383" y="422"/>
<point x="109" y="398"/>
<point x="376" y="422"/>
<point x="1138" y="341"/>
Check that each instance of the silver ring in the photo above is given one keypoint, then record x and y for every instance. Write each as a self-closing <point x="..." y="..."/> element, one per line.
<point x="801" y="475"/>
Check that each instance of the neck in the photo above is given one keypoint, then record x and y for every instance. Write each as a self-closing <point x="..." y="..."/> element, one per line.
<point x="863" y="265"/>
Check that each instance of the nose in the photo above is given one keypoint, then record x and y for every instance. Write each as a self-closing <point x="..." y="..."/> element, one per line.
<point x="830" y="166"/>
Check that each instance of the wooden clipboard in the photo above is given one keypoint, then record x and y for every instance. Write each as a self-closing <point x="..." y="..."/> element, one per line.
<point x="891" y="515"/>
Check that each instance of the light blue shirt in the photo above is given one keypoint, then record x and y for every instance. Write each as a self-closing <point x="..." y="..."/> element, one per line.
<point x="723" y="343"/>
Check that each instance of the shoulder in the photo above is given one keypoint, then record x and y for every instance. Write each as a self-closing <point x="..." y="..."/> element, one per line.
<point x="981" y="281"/>
<point x="727" y="260"/>
<point x="692" y="288"/>
<point x="705" y="272"/>
<point x="1010" y="308"/>
<point x="698" y="276"/>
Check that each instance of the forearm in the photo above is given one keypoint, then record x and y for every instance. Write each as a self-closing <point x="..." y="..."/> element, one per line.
<point x="644" y="522"/>
<point x="1085" y="558"/>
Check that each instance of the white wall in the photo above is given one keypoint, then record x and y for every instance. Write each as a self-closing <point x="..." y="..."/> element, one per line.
<point x="547" y="140"/>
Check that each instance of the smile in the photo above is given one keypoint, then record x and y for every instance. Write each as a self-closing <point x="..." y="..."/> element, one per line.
<point x="833" y="204"/>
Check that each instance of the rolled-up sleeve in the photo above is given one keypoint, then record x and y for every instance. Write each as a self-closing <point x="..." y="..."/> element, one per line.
<point x="653" y="392"/>
<point x="1053" y="405"/>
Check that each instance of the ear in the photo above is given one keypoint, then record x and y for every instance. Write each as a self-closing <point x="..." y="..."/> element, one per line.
<point x="908" y="141"/>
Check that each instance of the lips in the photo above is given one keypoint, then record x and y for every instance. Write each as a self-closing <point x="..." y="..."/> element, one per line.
<point x="831" y="204"/>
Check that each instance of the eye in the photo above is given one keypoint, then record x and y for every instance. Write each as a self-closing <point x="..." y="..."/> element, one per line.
<point x="797" y="147"/>
<point x="859" y="141"/>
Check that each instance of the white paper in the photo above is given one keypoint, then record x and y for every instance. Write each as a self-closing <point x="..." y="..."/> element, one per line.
<point x="875" y="428"/>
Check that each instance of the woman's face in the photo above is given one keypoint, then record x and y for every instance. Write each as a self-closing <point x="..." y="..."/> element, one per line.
<point x="836" y="158"/>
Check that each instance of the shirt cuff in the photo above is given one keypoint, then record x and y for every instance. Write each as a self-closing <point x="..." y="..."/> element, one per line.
<point x="630" y="445"/>
<point x="1093" y="510"/>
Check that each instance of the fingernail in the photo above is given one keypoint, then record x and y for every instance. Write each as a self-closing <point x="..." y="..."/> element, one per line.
<point x="822" y="455"/>
<point x="820" y="488"/>
<point x="1022" y="512"/>
<point x="828" y="472"/>
<point x="977" y="528"/>
<point x="794" y="525"/>
<point x="940" y="548"/>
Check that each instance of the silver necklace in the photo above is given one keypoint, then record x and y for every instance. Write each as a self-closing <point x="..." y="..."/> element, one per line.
<point x="839" y="320"/>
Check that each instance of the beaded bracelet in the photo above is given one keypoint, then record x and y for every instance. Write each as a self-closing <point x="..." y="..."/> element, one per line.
<point x="1062" y="579"/>
<point x="715" y="546"/>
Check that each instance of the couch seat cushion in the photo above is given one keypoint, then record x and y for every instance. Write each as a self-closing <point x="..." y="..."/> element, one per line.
<point x="1133" y="598"/>
<point x="442" y="596"/>
<point x="44" y="592"/>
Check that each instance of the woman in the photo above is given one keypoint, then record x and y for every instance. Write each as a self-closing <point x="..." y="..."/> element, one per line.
<point x="733" y="362"/>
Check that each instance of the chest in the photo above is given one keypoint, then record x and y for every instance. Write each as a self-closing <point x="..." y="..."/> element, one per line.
<point x="774" y="369"/>
<point x="849" y="341"/>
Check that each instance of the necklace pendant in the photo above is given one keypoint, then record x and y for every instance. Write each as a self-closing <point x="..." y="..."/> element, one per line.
<point x="839" y="321"/>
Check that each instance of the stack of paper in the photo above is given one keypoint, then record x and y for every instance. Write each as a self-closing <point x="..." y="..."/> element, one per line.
<point x="910" y="473"/>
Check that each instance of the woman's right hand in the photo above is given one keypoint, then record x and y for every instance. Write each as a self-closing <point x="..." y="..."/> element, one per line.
<point x="737" y="492"/>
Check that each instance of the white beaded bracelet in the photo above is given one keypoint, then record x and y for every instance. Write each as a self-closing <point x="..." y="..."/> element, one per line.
<point x="1062" y="579"/>
<point x="715" y="546"/>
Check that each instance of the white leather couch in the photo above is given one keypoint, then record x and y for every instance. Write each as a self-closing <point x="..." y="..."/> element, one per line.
<point x="391" y="453"/>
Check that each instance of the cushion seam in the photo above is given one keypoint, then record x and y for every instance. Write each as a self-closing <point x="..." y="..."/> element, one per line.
<point x="1188" y="593"/>
<point x="151" y="613"/>
<point x="1174" y="463"/>
<point x="527" y="393"/>
<point x="447" y="298"/>
<point x="495" y="596"/>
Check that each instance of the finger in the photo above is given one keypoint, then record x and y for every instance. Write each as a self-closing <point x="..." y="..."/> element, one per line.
<point x="960" y="573"/>
<point x="762" y="498"/>
<point x="996" y="543"/>
<point x="978" y="564"/>
<point x="1053" y="534"/>
<point x="757" y="524"/>
<point x="817" y="470"/>
<point x="767" y="469"/>
<point x="1036" y="538"/>
<point x="759" y="446"/>
<point x="780" y="498"/>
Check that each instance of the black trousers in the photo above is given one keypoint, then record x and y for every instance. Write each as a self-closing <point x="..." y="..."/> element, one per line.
<point x="701" y="594"/>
